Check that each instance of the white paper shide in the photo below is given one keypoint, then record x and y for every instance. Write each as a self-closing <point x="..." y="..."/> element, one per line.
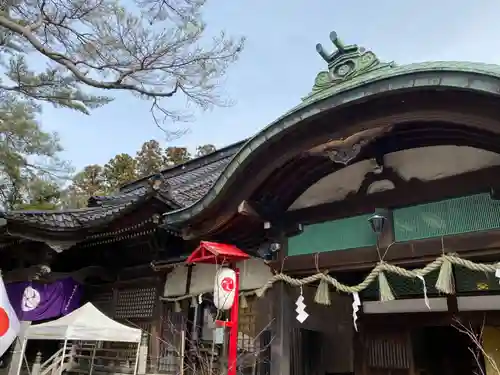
<point x="302" y="315"/>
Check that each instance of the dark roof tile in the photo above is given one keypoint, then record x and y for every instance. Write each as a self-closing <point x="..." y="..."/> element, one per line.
<point x="190" y="181"/>
<point x="70" y="219"/>
<point x="183" y="186"/>
<point x="189" y="187"/>
<point x="101" y="200"/>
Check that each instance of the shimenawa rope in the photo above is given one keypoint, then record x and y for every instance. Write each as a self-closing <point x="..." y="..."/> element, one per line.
<point x="444" y="282"/>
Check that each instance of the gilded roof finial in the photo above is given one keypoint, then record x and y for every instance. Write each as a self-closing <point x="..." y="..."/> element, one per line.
<point x="345" y="63"/>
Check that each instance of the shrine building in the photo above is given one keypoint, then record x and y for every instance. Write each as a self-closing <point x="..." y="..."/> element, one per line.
<point x="371" y="212"/>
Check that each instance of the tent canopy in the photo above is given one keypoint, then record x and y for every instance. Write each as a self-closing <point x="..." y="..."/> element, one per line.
<point x="86" y="323"/>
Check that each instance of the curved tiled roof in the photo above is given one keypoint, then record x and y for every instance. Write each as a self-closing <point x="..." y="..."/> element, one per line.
<point x="190" y="181"/>
<point x="189" y="187"/>
<point x="101" y="200"/>
<point x="194" y="185"/>
<point x="182" y="186"/>
<point x="479" y="77"/>
<point x="71" y="219"/>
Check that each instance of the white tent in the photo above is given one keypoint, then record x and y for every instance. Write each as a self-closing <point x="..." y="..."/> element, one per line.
<point x="84" y="324"/>
<point x="87" y="324"/>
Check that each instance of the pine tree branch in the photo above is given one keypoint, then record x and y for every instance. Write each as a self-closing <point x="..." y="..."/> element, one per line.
<point x="65" y="61"/>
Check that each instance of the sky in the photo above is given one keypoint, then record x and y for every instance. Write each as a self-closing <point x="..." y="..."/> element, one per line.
<point x="279" y="64"/>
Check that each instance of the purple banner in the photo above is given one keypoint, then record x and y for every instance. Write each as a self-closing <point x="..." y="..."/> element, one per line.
<point x="35" y="301"/>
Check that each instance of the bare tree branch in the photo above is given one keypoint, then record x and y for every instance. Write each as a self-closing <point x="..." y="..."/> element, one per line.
<point x="476" y="338"/>
<point x="203" y="362"/>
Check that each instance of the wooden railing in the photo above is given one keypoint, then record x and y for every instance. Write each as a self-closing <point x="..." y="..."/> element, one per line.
<point x="64" y="357"/>
<point x="91" y="359"/>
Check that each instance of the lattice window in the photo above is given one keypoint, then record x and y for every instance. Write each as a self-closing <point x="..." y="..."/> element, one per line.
<point x="104" y="302"/>
<point x="247" y="325"/>
<point x="135" y="303"/>
<point x="172" y="327"/>
<point x="144" y="325"/>
<point x="388" y="352"/>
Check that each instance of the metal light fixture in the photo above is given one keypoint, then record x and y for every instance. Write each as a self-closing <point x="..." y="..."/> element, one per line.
<point x="378" y="220"/>
<point x="267" y="250"/>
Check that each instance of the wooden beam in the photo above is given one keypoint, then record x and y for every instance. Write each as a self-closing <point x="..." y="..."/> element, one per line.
<point x="397" y="321"/>
<point x="412" y="192"/>
<point x="275" y="228"/>
<point x="452" y="303"/>
<point x="475" y="244"/>
<point x="260" y="213"/>
<point x="246" y="209"/>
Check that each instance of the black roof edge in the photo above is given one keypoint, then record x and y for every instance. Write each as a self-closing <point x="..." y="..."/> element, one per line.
<point x="104" y="220"/>
<point x="187" y="166"/>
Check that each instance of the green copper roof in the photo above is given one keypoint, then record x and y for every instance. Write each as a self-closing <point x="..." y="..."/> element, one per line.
<point x="346" y="63"/>
<point x="353" y="74"/>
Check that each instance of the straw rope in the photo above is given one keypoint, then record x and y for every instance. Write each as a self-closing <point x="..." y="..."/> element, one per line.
<point x="444" y="284"/>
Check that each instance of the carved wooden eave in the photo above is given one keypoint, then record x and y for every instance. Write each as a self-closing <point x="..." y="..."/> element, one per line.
<point x="343" y="151"/>
<point x="395" y="169"/>
<point x="388" y="179"/>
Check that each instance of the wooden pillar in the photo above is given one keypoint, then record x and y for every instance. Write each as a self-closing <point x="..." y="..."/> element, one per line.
<point x="283" y="322"/>
<point x="359" y="354"/>
<point x="156" y="334"/>
<point x="282" y="313"/>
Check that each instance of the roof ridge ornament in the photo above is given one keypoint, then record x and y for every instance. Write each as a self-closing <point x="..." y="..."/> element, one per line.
<point x="345" y="63"/>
